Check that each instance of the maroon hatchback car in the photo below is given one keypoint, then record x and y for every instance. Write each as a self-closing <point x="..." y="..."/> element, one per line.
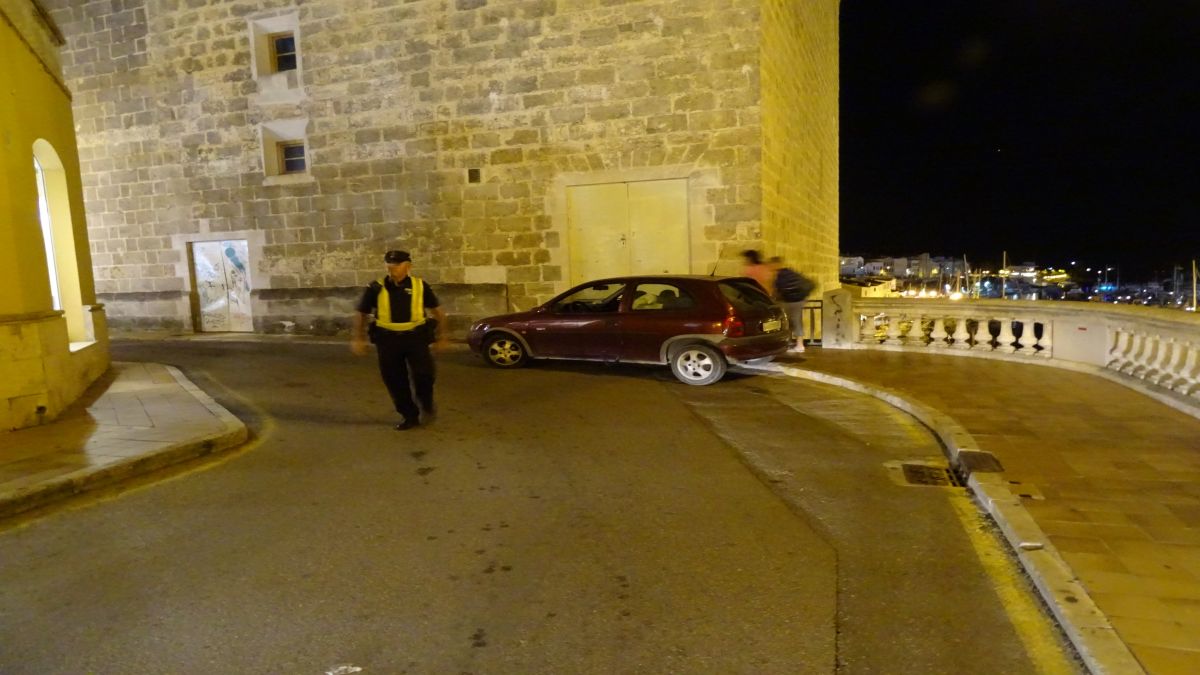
<point x="698" y="325"/>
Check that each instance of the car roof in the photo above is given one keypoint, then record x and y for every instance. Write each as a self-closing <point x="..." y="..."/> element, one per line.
<point x="663" y="277"/>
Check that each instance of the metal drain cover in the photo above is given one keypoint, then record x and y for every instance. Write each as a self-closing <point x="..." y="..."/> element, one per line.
<point x="924" y="473"/>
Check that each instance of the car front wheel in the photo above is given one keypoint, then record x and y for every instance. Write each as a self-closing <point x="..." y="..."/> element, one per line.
<point x="504" y="351"/>
<point x="698" y="364"/>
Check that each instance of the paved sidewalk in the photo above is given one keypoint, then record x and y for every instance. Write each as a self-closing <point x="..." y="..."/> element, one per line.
<point x="1099" y="490"/>
<point x="137" y="418"/>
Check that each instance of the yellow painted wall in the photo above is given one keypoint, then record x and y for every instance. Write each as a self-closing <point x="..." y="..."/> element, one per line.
<point x="799" y="70"/>
<point x="41" y="372"/>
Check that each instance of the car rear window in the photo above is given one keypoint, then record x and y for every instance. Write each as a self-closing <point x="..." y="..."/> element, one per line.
<point x="744" y="294"/>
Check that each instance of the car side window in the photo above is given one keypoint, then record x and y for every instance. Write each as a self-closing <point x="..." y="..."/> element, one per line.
<point x="591" y="299"/>
<point x="659" y="296"/>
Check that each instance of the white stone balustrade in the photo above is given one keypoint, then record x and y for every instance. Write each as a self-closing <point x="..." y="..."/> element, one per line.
<point x="1158" y="346"/>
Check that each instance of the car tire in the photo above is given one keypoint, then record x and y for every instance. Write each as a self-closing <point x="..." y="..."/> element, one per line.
<point x="697" y="364"/>
<point x="504" y="351"/>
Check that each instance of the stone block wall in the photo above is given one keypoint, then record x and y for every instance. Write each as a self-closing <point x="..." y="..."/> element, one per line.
<point x="323" y="311"/>
<point x="398" y="101"/>
<point x="800" y="137"/>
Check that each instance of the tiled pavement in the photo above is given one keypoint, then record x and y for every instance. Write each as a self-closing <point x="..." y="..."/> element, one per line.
<point x="1095" y="475"/>
<point x="1109" y="475"/>
<point x="139" y="417"/>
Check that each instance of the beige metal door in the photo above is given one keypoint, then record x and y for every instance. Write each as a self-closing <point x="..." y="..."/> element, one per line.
<point x="598" y="220"/>
<point x="658" y="227"/>
<point x="617" y="229"/>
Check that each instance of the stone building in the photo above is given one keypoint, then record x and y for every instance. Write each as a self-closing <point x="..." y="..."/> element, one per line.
<point x="52" y="333"/>
<point x="247" y="162"/>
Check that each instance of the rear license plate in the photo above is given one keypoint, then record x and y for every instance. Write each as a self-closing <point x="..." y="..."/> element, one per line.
<point x="771" y="325"/>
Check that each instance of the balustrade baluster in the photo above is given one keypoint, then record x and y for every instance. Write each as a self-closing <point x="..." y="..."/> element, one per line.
<point x="867" y="329"/>
<point x="1171" y="366"/>
<point x="1144" y="354"/>
<point x="1162" y="363"/>
<point x="1137" y="356"/>
<point x="1187" y="380"/>
<point x="915" y="337"/>
<point x="1004" y="341"/>
<point x="1152" y="356"/>
<point x="939" y="334"/>
<point x="1126" y="359"/>
<point x="1027" y="339"/>
<point x="893" y="331"/>
<point x="961" y="336"/>
<point x="1046" y="342"/>
<point x="1118" y="351"/>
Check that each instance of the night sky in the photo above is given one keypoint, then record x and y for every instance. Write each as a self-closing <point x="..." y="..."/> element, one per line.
<point x="1057" y="130"/>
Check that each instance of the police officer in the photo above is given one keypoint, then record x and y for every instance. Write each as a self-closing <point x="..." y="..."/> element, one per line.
<point x="402" y="335"/>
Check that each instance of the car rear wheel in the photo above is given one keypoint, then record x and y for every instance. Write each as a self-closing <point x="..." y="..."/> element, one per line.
<point x="698" y="364"/>
<point x="504" y="351"/>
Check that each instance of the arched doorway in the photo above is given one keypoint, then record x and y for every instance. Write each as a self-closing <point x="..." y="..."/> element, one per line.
<point x="54" y="212"/>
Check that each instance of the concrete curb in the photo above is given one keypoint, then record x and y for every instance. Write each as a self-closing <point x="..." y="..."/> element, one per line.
<point x="56" y="489"/>
<point x="1097" y="642"/>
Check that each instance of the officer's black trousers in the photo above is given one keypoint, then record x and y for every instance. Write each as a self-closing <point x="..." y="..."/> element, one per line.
<point x="406" y="365"/>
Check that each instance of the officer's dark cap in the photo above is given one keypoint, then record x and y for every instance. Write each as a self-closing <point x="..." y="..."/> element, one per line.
<point x="396" y="257"/>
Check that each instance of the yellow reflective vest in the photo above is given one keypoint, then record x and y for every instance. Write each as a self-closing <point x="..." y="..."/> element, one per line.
<point x="383" y="307"/>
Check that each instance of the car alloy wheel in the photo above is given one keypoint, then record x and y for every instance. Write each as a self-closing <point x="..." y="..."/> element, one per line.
<point x="504" y="352"/>
<point x="698" y="364"/>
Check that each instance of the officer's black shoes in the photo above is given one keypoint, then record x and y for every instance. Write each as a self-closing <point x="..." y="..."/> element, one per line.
<point x="406" y="425"/>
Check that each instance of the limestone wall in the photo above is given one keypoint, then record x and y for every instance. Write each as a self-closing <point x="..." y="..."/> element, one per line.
<point x="398" y="101"/>
<point x="800" y="136"/>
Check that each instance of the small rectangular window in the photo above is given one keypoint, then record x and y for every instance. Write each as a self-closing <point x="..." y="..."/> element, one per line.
<point x="283" y="51"/>
<point x="291" y="158"/>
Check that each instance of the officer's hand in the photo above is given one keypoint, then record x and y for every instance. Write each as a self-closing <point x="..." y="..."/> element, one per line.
<point x="358" y="346"/>
<point x="441" y="345"/>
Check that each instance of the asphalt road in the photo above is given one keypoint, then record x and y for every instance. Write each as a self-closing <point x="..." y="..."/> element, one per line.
<point x="555" y="519"/>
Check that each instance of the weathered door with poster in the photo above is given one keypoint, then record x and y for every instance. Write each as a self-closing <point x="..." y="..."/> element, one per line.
<point x="222" y="285"/>
<point x="616" y="229"/>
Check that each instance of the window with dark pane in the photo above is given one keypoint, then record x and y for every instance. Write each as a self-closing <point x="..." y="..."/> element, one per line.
<point x="283" y="51"/>
<point x="291" y="158"/>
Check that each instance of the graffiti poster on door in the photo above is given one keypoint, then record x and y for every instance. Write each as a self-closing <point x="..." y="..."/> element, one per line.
<point x="223" y="285"/>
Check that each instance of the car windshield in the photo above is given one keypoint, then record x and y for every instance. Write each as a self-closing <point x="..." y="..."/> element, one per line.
<point x="744" y="294"/>
<point x="593" y="298"/>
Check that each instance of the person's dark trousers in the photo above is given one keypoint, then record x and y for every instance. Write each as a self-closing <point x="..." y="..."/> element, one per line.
<point x="403" y="356"/>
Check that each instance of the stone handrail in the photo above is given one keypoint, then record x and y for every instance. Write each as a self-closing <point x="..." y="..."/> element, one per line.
<point x="1159" y="346"/>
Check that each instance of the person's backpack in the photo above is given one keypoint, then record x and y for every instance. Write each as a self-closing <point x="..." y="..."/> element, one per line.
<point x="792" y="286"/>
